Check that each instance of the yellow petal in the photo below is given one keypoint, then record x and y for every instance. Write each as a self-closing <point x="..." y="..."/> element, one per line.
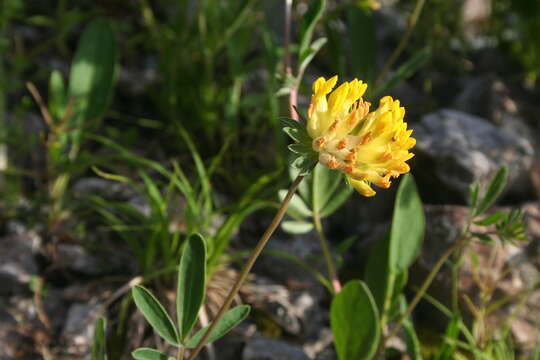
<point x="362" y="187"/>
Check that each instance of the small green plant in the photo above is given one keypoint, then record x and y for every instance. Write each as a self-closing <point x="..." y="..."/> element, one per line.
<point x="191" y="287"/>
<point x="380" y="305"/>
<point x="74" y="112"/>
<point x="155" y="237"/>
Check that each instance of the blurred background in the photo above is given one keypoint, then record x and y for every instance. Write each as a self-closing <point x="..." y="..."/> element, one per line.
<point x="125" y="125"/>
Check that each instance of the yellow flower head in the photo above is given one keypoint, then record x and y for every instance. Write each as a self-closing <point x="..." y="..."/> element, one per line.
<point x="368" y="147"/>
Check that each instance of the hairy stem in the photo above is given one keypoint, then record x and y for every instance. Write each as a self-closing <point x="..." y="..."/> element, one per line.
<point x="249" y="264"/>
<point x="293" y="95"/>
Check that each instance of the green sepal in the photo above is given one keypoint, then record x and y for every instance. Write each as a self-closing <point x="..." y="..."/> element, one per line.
<point x="305" y="159"/>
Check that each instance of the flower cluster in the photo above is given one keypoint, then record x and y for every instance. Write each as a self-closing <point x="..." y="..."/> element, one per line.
<point x="368" y="147"/>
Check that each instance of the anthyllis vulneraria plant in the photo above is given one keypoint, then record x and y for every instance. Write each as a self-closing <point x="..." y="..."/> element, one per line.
<point x="341" y="134"/>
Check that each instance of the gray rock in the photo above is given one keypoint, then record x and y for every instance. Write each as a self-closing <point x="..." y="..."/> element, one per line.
<point x="320" y="347"/>
<point x="486" y="96"/>
<point x="76" y="258"/>
<point x="261" y="348"/>
<point x="293" y="310"/>
<point x="17" y="263"/>
<point x="303" y="247"/>
<point x="328" y="354"/>
<point x="78" y="331"/>
<point x="108" y="189"/>
<point x="455" y="150"/>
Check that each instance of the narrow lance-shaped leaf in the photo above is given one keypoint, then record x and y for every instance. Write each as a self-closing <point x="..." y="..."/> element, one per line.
<point x="148" y="354"/>
<point x="361" y="30"/>
<point x="408" y="225"/>
<point x="99" y="349"/>
<point x="493" y="191"/>
<point x="411" y="339"/>
<point x="57" y="95"/>
<point x="311" y="18"/>
<point x="409" y="68"/>
<point x="490" y="219"/>
<point x="329" y="190"/>
<point x="355" y="322"/>
<point x="309" y="54"/>
<point x="155" y="314"/>
<point x="229" y="321"/>
<point x="191" y="284"/>
<point x="92" y="75"/>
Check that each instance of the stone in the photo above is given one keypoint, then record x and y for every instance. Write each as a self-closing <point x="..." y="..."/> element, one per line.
<point x="320" y="347"/>
<point x="455" y="150"/>
<point x="328" y="354"/>
<point x="78" y="331"/>
<point x="17" y="262"/>
<point x="92" y="262"/>
<point x="262" y="348"/>
<point x="284" y="270"/>
<point x="75" y="258"/>
<point x="108" y="189"/>
<point x="293" y="310"/>
<point x="487" y="97"/>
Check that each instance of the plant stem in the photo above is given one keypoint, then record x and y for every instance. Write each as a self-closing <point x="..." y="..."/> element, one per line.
<point x="403" y="42"/>
<point x="293" y="95"/>
<point x="180" y="353"/>
<point x="247" y="268"/>
<point x="332" y="274"/>
<point x="420" y="293"/>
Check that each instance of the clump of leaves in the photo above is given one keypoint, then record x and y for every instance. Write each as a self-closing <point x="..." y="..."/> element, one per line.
<point x="192" y="278"/>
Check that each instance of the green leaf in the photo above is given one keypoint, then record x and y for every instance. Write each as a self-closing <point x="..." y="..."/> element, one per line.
<point x="494" y="189"/>
<point x="378" y="272"/>
<point x="385" y="285"/>
<point x="229" y="321"/>
<point x="305" y="164"/>
<point x="57" y="95"/>
<point x="310" y="19"/>
<point x="411" y="339"/>
<point x="412" y="342"/>
<point x="355" y="322"/>
<point x="299" y="148"/>
<point x="92" y="74"/>
<point x="329" y="191"/>
<point x="491" y="219"/>
<point x="296" y="227"/>
<point x="451" y="338"/>
<point x="148" y="354"/>
<point x="405" y="71"/>
<point x="309" y="54"/>
<point x="341" y="195"/>
<point x="155" y="314"/>
<point x="297" y="207"/>
<point x="191" y="284"/>
<point x="361" y="30"/>
<point x="473" y="195"/>
<point x="99" y="348"/>
<point x="483" y="237"/>
<point x="408" y="225"/>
